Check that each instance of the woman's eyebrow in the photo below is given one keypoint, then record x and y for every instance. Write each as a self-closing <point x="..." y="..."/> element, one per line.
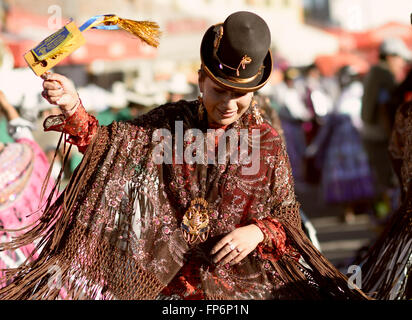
<point x="217" y="87"/>
<point x="233" y="92"/>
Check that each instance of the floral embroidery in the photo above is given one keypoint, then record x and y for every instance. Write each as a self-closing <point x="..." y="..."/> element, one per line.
<point x="264" y="198"/>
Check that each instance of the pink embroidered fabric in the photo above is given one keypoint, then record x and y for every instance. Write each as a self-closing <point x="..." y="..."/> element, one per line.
<point x="23" y="206"/>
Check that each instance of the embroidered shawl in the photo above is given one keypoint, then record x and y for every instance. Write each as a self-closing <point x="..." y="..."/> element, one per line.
<point x="115" y="231"/>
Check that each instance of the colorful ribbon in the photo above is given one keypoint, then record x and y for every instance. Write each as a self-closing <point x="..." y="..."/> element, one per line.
<point x="94" y="23"/>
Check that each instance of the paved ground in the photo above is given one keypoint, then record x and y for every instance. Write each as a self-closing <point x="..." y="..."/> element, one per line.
<point x="339" y="241"/>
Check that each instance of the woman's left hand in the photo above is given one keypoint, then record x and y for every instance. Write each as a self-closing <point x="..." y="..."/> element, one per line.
<point x="237" y="244"/>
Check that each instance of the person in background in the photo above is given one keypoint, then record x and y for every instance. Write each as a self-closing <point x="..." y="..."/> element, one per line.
<point x="118" y="109"/>
<point x="316" y="95"/>
<point x="349" y="100"/>
<point x="23" y="169"/>
<point x="307" y="84"/>
<point x="387" y="267"/>
<point x="4" y="13"/>
<point x="292" y="114"/>
<point x="388" y="263"/>
<point x="4" y="133"/>
<point x="178" y="87"/>
<point x="288" y="97"/>
<point x="379" y="84"/>
<point x="401" y="94"/>
<point x="346" y="177"/>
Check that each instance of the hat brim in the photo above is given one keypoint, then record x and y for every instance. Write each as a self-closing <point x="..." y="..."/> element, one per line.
<point x="210" y="65"/>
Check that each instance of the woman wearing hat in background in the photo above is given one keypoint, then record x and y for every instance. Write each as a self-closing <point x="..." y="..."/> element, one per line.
<point x="377" y="121"/>
<point x="127" y="227"/>
<point x="23" y="168"/>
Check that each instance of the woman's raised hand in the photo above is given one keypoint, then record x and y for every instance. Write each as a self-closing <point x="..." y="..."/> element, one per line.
<point x="60" y="91"/>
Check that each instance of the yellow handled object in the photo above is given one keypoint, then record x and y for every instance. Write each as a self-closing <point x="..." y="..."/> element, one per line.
<point x="54" y="48"/>
<point x="63" y="42"/>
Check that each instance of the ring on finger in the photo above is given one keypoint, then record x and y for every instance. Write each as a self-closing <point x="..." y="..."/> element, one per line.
<point x="232" y="246"/>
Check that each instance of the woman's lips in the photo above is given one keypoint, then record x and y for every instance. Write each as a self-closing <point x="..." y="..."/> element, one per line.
<point x="227" y="114"/>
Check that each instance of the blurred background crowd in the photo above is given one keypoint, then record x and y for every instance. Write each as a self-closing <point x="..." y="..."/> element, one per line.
<point x="341" y="71"/>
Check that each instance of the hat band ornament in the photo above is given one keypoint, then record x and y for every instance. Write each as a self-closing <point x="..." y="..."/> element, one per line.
<point x="242" y="64"/>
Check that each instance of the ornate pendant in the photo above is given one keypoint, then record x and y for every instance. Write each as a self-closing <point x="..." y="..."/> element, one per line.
<point x="195" y="224"/>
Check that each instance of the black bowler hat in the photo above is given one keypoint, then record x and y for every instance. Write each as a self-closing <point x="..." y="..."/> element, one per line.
<point x="236" y="54"/>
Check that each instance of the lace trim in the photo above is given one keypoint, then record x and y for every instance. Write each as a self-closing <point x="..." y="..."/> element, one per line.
<point x="80" y="126"/>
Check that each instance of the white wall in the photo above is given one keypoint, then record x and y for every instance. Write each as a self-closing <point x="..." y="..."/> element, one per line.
<point x="359" y="15"/>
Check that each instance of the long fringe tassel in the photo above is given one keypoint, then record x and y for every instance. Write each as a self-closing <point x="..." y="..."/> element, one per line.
<point x="147" y="31"/>
<point x="324" y="273"/>
<point x="28" y="280"/>
<point x="394" y="245"/>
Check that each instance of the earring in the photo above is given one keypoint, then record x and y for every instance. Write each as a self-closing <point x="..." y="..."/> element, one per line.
<point x="256" y="114"/>
<point x="201" y="110"/>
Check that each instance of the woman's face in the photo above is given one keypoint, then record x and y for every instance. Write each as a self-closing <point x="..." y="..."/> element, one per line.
<point x="223" y="106"/>
<point x="397" y="65"/>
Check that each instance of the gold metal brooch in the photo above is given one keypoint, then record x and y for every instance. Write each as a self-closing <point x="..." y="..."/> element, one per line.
<point x="195" y="224"/>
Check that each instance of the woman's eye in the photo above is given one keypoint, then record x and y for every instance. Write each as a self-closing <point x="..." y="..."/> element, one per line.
<point x="238" y="95"/>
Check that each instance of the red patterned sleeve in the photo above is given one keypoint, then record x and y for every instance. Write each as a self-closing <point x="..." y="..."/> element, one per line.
<point x="274" y="244"/>
<point x="80" y="126"/>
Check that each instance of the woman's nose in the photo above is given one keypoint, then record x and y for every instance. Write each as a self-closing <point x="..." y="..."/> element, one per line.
<point x="230" y="104"/>
<point x="229" y="99"/>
